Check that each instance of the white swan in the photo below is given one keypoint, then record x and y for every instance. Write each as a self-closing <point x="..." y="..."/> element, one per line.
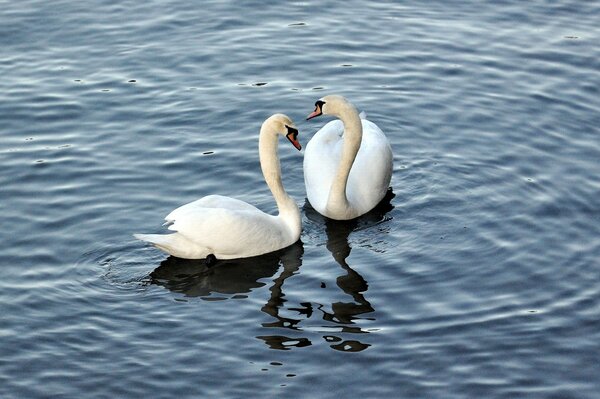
<point x="347" y="164"/>
<point x="226" y="228"/>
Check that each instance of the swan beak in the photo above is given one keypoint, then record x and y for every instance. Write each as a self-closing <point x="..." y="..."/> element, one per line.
<point x="292" y="136"/>
<point x="314" y="114"/>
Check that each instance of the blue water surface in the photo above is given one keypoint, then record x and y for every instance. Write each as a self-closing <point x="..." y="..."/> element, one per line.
<point x="478" y="277"/>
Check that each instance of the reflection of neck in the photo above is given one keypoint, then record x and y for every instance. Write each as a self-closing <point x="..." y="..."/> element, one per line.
<point x="269" y="163"/>
<point x="337" y="239"/>
<point x="352" y="283"/>
<point x="352" y="139"/>
<point x="291" y="260"/>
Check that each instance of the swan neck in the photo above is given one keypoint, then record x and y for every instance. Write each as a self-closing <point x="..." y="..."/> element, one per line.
<point x="352" y="139"/>
<point x="269" y="163"/>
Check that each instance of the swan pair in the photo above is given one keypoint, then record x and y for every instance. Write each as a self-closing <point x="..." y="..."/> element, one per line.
<point x="347" y="171"/>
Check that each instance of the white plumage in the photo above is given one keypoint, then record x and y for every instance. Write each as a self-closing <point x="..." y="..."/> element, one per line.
<point x="229" y="228"/>
<point x="347" y="163"/>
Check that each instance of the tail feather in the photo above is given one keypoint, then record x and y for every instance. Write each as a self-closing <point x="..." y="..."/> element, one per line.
<point x="151" y="238"/>
<point x="174" y="244"/>
<point x="161" y="241"/>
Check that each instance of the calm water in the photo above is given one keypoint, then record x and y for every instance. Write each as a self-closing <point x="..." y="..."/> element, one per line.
<point x="479" y="278"/>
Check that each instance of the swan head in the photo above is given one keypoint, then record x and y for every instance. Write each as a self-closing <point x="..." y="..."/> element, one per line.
<point x="282" y="124"/>
<point x="329" y="105"/>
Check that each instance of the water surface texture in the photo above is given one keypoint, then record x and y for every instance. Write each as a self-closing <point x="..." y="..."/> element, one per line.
<point x="479" y="277"/>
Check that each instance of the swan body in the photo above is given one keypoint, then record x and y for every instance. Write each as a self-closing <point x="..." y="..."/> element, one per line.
<point x="228" y="228"/>
<point x="347" y="163"/>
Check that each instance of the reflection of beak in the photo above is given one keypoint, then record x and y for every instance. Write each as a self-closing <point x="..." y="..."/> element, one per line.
<point x="293" y="138"/>
<point x="314" y="114"/>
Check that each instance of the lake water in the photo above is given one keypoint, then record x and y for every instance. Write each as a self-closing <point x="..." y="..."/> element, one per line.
<point x="478" y="278"/>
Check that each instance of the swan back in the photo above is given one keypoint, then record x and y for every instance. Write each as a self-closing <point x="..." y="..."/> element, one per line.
<point x="348" y="163"/>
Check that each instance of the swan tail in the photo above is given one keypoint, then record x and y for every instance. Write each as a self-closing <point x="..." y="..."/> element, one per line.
<point x="153" y="238"/>
<point x="161" y="241"/>
<point x="174" y="244"/>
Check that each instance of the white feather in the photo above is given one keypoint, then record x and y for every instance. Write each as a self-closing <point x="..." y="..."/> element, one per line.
<point x="229" y="228"/>
<point x="370" y="173"/>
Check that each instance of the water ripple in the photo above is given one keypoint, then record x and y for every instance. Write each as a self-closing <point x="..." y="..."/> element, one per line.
<point x="477" y="279"/>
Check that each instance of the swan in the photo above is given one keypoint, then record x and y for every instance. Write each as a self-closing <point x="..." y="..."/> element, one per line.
<point x="218" y="227"/>
<point x="347" y="163"/>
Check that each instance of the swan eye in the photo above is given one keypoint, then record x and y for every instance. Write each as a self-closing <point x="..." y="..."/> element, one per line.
<point x="318" y="110"/>
<point x="292" y="132"/>
<point x="319" y="106"/>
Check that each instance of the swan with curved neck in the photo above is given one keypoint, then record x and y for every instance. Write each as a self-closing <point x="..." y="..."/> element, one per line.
<point x="226" y="228"/>
<point x="348" y="162"/>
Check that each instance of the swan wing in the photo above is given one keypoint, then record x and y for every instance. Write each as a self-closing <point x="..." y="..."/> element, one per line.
<point x="210" y="201"/>
<point x="321" y="159"/>
<point x="371" y="172"/>
<point x="231" y="233"/>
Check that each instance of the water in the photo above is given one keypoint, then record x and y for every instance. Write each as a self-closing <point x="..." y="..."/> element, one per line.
<point x="479" y="278"/>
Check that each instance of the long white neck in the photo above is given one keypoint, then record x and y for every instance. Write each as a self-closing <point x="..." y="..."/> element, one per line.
<point x="269" y="163"/>
<point x="349" y="116"/>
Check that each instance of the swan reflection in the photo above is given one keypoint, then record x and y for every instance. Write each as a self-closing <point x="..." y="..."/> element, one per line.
<point x="343" y="315"/>
<point x="236" y="278"/>
<point x="226" y="279"/>
<point x="346" y="314"/>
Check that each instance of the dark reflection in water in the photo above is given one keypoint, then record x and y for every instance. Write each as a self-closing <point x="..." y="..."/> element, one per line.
<point x="234" y="278"/>
<point x="352" y="283"/>
<point x="276" y="303"/>
<point x="342" y="314"/>
<point x="228" y="278"/>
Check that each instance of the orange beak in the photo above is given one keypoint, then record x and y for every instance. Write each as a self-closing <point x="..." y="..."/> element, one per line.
<point x="293" y="138"/>
<point x="314" y="114"/>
